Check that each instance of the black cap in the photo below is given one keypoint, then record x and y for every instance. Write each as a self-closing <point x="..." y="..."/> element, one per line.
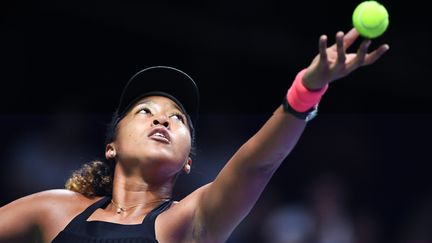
<point x="161" y="80"/>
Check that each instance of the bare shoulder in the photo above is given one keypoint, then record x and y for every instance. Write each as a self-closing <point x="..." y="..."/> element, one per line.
<point x="186" y="206"/>
<point x="64" y="196"/>
<point x="49" y="210"/>
<point x="61" y="206"/>
<point x="179" y="223"/>
<point x="52" y="199"/>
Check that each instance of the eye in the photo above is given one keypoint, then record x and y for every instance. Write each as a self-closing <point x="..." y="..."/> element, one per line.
<point x="178" y="116"/>
<point x="144" y="110"/>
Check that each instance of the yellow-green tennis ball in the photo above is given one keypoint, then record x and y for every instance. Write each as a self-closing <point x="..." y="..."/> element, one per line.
<point x="371" y="19"/>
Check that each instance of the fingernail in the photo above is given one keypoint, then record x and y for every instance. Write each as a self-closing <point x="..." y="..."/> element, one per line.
<point x="368" y="43"/>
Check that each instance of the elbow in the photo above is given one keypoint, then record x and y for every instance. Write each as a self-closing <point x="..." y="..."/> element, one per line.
<point x="270" y="164"/>
<point x="266" y="167"/>
<point x="264" y="161"/>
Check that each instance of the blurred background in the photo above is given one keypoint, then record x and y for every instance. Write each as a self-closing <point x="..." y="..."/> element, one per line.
<point x="361" y="171"/>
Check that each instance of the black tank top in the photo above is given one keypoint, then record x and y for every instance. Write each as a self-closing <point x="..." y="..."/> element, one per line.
<point x="79" y="230"/>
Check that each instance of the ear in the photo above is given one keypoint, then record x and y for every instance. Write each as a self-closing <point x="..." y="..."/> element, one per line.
<point x="187" y="166"/>
<point x="110" y="151"/>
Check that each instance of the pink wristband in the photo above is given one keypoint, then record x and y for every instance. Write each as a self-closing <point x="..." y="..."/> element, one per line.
<point x="300" y="98"/>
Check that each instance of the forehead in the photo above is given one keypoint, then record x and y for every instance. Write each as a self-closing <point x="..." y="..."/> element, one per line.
<point x="161" y="100"/>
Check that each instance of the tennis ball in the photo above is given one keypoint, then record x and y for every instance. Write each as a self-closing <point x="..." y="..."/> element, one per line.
<point x="370" y="19"/>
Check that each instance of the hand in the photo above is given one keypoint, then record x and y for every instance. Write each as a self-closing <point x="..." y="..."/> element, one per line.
<point x="333" y="63"/>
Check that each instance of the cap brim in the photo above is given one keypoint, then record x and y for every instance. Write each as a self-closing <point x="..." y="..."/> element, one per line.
<point x="161" y="80"/>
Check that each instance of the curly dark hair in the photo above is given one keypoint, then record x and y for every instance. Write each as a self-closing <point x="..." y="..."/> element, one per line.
<point x="95" y="178"/>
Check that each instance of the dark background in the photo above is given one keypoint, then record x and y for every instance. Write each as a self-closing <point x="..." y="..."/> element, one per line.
<point x="63" y="64"/>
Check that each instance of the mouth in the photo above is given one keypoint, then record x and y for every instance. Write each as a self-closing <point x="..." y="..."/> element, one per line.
<point x="160" y="135"/>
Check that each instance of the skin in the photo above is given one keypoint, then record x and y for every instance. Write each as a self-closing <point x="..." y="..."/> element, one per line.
<point x="147" y="166"/>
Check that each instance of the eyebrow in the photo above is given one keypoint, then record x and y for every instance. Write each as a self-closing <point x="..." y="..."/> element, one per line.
<point x="150" y="102"/>
<point x="144" y="102"/>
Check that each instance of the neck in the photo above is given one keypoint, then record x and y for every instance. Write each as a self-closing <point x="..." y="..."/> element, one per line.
<point x="133" y="193"/>
<point x="121" y="209"/>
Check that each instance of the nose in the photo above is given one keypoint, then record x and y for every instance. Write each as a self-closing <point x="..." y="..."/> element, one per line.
<point x="161" y="121"/>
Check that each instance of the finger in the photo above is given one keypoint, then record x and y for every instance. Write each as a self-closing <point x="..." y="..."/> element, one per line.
<point x="350" y="37"/>
<point x="362" y="51"/>
<point x="323" y="48"/>
<point x="376" y="54"/>
<point x="359" y="58"/>
<point x="340" y="48"/>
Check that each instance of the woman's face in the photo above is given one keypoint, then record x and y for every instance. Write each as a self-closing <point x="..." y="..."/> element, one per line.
<point x="154" y="133"/>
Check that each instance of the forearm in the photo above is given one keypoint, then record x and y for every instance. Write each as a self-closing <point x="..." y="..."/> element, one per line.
<point x="272" y="143"/>
<point x="247" y="173"/>
<point x="229" y="198"/>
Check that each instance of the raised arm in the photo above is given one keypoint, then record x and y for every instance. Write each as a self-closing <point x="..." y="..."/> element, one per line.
<point x="223" y="203"/>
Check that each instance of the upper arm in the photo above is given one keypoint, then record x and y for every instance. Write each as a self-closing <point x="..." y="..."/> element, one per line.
<point x="20" y="217"/>
<point x="230" y="197"/>
<point x="48" y="211"/>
